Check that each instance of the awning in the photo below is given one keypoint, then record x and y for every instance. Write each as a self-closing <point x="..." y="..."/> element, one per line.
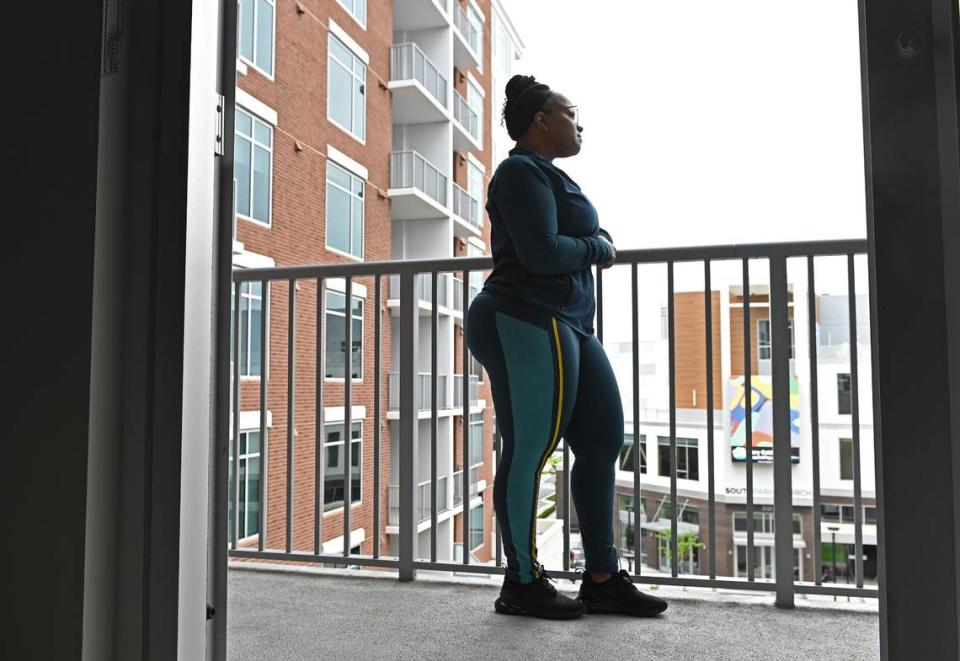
<point x="766" y="539"/>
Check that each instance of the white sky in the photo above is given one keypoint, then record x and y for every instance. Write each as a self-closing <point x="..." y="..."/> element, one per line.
<point x="709" y="122"/>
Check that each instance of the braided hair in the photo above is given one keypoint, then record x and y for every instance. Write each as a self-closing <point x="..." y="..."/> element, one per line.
<point x="525" y="97"/>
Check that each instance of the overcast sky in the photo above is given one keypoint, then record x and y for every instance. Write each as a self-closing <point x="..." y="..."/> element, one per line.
<point x="708" y="122"/>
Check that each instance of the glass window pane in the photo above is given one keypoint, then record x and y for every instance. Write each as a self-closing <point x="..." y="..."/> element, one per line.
<point x="244" y="123"/>
<point x="335" y="302"/>
<point x="241" y="169"/>
<point x="245" y="19"/>
<point x="244" y="334"/>
<point x="338" y="175"/>
<point x="356" y="239"/>
<point x="256" y="325"/>
<point x="846" y="513"/>
<point x="359" y="108"/>
<point x="356" y="358"/>
<point x="335" y="339"/>
<point x="265" y="36"/>
<point x="340" y="52"/>
<point x="340" y="95"/>
<point x="253" y="496"/>
<point x="261" y="184"/>
<point x="338" y="219"/>
<point x="846" y="459"/>
<point x="830" y="513"/>
<point x="253" y="442"/>
<point x="262" y="133"/>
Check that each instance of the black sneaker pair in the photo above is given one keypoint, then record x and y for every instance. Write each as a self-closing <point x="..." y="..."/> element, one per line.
<point x="537" y="599"/>
<point x="618" y="594"/>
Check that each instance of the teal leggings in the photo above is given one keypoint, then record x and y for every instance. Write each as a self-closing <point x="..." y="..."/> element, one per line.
<point x="548" y="382"/>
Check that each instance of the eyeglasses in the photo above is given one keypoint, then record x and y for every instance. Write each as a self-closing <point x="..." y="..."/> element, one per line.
<point x="576" y="113"/>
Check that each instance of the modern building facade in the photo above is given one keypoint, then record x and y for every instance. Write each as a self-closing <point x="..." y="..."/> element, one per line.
<point x="649" y="438"/>
<point x="362" y="133"/>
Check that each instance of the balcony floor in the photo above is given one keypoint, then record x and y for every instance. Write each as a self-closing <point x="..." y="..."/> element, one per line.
<point x="326" y="613"/>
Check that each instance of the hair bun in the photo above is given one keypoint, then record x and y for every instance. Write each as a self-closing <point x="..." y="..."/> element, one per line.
<point x="518" y="84"/>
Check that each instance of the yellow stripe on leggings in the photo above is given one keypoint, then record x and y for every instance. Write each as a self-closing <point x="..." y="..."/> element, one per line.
<point x="554" y="441"/>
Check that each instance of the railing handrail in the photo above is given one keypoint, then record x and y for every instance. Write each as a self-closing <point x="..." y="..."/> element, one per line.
<point x="485" y="263"/>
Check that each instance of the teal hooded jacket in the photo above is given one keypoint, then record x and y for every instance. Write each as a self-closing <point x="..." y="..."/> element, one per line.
<point x="545" y="236"/>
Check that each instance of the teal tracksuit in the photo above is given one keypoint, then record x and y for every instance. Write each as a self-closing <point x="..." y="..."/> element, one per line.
<point x="532" y="329"/>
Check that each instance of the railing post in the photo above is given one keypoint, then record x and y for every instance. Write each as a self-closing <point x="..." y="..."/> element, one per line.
<point x="408" y="425"/>
<point x="782" y="486"/>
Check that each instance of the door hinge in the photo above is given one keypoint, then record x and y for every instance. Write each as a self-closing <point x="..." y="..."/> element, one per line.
<point x="218" y="146"/>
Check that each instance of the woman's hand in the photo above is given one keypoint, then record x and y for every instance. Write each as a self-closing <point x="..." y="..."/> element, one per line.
<point x="613" y="254"/>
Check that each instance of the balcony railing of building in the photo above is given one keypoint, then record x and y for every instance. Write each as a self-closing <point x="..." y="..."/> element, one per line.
<point x="408" y="169"/>
<point x="409" y="62"/>
<point x="423" y="393"/>
<point x="423" y="501"/>
<point x="466" y="116"/>
<point x="424" y="288"/>
<point x="470" y="33"/>
<point x="466" y="206"/>
<point x="297" y="286"/>
<point x="458" y="390"/>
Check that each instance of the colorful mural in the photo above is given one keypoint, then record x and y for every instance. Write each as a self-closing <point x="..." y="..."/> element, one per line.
<point x="761" y="419"/>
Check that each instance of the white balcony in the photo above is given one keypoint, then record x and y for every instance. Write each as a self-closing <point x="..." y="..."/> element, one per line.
<point x="418" y="88"/>
<point x="466" y="125"/>
<point x="468" y="221"/>
<point x="418" y="189"/>
<point x="467" y="39"/>
<point x="446" y="293"/>
<point x="422" y="396"/>
<point x="476" y="404"/>
<point x="410" y="15"/>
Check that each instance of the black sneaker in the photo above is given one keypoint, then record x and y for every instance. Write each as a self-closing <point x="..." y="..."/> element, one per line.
<point x="618" y="594"/>
<point x="537" y="599"/>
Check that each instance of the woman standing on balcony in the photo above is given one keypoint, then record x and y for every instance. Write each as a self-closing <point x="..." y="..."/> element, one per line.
<point x="531" y="327"/>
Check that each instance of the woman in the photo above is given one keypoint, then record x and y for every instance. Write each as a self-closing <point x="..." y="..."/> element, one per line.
<point x="532" y="329"/>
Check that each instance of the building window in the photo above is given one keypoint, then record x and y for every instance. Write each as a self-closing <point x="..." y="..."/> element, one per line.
<point x="687" y="460"/>
<point x="344" y="211"/>
<point x="476" y="439"/>
<point x="763" y="522"/>
<point x="846" y="458"/>
<point x="844" y="400"/>
<point x="764" y="350"/>
<point x="251" y="328"/>
<point x="345" y="89"/>
<point x="835" y="513"/>
<point x="256" y="33"/>
<point x="357" y="9"/>
<point x="247" y="500"/>
<point x="253" y="167"/>
<point x="664" y="323"/>
<point x="334" y="474"/>
<point x="476" y="527"/>
<point x="337" y="336"/>
<point x="627" y="520"/>
<point x="626" y="453"/>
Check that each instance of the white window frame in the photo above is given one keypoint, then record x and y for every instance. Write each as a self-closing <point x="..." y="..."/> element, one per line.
<point x="240" y="460"/>
<point x="332" y="61"/>
<point x="478" y="176"/>
<point x="273" y="38"/>
<point x="327" y="310"/>
<point x="475" y="101"/>
<point x="361" y="20"/>
<point x="346" y="496"/>
<point x="683" y="444"/>
<point x="354" y="199"/>
<point x="254" y="144"/>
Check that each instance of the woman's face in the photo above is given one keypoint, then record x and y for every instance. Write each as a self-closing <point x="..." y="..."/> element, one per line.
<point x="561" y="117"/>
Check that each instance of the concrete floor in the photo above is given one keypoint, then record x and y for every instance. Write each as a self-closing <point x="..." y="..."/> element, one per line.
<point x="292" y="613"/>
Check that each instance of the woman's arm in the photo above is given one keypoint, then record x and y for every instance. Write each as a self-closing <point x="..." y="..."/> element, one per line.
<point x="529" y="210"/>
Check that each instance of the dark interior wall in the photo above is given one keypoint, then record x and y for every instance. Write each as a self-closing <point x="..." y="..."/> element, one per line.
<point x="50" y="173"/>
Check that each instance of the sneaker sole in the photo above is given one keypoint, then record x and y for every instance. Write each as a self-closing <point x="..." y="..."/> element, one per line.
<point x="507" y="608"/>
<point x="598" y="609"/>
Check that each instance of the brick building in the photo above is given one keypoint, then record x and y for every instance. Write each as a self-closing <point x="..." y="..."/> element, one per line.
<point x="362" y="133"/>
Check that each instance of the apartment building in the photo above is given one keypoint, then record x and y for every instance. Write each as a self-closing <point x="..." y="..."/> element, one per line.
<point x="362" y="133"/>
<point x="649" y="437"/>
